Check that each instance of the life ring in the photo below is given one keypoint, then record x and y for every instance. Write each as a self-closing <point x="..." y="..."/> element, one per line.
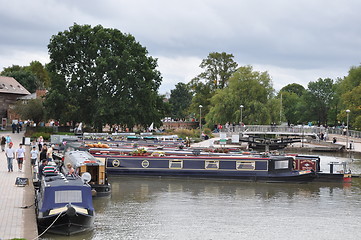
<point x="145" y="163"/>
<point x="116" y="163"/>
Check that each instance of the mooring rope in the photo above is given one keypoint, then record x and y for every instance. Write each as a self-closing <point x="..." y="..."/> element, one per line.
<point x="48" y="227"/>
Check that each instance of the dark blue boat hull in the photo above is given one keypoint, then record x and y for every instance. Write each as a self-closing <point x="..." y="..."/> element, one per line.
<point x="195" y="167"/>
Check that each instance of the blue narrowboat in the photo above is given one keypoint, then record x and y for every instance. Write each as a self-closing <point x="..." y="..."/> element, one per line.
<point x="64" y="205"/>
<point x="270" y="169"/>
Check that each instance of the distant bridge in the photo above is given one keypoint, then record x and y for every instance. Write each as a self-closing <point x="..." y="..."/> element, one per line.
<point x="287" y="130"/>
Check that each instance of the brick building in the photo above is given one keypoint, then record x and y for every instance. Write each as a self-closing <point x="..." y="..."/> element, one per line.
<point x="10" y="91"/>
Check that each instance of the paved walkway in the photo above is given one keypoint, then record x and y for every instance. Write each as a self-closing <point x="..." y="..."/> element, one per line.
<point x="16" y="220"/>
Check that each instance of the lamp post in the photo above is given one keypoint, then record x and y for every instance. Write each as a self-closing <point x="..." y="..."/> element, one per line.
<point x="200" y="120"/>
<point x="241" y="114"/>
<point x="347" y="112"/>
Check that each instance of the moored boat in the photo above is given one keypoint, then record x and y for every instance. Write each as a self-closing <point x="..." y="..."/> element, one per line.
<point x="83" y="162"/>
<point x="248" y="168"/>
<point x="64" y="205"/>
<point x="300" y="162"/>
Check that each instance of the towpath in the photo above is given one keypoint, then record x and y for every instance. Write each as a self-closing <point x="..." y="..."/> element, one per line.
<point x="17" y="211"/>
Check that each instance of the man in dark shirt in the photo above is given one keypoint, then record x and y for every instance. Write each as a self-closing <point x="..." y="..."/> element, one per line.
<point x="41" y="168"/>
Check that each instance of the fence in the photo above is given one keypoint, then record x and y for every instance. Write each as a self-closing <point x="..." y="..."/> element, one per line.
<point x="289" y="130"/>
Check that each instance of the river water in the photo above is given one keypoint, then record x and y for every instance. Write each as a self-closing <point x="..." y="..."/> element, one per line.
<point x="182" y="208"/>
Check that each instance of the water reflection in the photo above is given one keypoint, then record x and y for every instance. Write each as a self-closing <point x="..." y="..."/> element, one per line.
<point x="186" y="208"/>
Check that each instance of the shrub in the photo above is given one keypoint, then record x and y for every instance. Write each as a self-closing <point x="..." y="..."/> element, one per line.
<point x="45" y="135"/>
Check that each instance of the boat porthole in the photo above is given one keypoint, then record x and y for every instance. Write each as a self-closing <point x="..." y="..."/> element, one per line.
<point x="116" y="163"/>
<point x="145" y="163"/>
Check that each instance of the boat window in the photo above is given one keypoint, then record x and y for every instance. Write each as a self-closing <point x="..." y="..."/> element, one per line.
<point x="245" y="165"/>
<point x="176" y="164"/>
<point x="69" y="196"/>
<point x="281" y="164"/>
<point x="211" y="164"/>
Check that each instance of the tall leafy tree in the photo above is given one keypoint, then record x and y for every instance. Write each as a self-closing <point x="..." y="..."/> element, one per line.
<point x="246" y="87"/>
<point x="348" y="92"/>
<point x="202" y="94"/>
<point x="180" y="99"/>
<point x="319" y="97"/>
<point x="104" y="77"/>
<point x="218" y="68"/>
<point x="42" y="75"/>
<point x="291" y="99"/>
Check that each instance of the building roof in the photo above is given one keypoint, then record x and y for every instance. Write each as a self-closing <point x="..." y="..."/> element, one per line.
<point x="10" y="85"/>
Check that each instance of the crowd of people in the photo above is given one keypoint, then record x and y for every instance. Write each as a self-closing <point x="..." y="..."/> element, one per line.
<point x="40" y="155"/>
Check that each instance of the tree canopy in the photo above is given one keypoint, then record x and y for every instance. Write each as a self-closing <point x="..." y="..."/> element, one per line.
<point x="246" y="87"/>
<point x="102" y="76"/>
<point x="180" y="99"/>
<point x="32" y="77"/>
<point x="218" y="67"/>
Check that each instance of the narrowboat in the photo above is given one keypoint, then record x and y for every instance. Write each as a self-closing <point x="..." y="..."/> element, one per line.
<point x="82" y="162"/>
<point x="300" y="162"/>
<point x="64" y="204"/>
<point x="248" y="168"/>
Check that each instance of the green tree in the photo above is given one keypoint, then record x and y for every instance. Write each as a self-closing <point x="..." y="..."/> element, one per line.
<point x="202" y="94"/>
<point x="42" y="75"/>
<point x="33" y="109"/>
<point x="218" y="67"/>
<point x="291" y="102"/>
<point x="246" y="87"/>
<point x="294" y="88"/>
<point x="318" y="98"/>
<point x="347" y="91"/>
<point x="180" y="99"/>
<point x="32" y="77"/>
<point x="107" y="76"/>
<point x="26" y="78"/>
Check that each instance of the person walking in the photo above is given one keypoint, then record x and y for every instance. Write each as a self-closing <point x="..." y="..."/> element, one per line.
<point x="3" y="143"/>
<point x="10" y="154"/>
<point x="20" y="156"/>
<point x="34" y="156"/>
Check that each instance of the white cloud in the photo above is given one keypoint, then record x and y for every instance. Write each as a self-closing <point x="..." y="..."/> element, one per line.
<point x="178" y="69"/>
<point x="295" y="41"/>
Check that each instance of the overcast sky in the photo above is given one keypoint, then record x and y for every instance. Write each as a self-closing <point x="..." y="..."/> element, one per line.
<point x="296" y="41"/>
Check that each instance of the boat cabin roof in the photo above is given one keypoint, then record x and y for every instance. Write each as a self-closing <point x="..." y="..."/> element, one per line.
<point x="79" y="158"/>
<point x="62" y="180"/>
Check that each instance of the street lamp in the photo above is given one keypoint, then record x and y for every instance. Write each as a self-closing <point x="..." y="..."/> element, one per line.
<point x="241" y="113"/>
<point x="347" y="112"/>
<point x="200" y="120"/>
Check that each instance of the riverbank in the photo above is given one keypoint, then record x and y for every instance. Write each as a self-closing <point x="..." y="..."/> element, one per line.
<point x="17" y="210"/>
